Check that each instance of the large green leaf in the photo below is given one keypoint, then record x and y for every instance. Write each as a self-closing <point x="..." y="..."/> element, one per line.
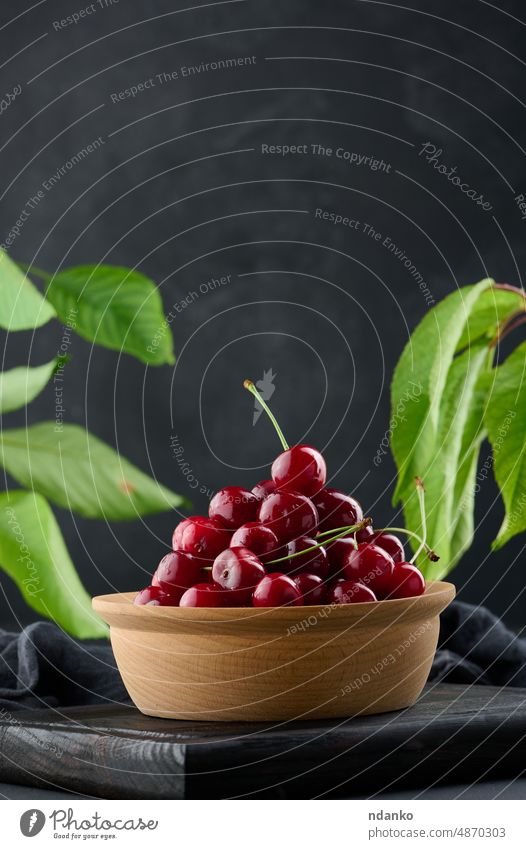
<point x="450" y="472"/>
<point x="77" y="471"/>
<point x="466" y="477"/>
<point x="22" y="307"/>
<point x="420" y="380"/>
<point x="19" y="386"/>
<point x="505" y="420"/>
<point x="492" y="309"/>
<point x="115" y="307"/>
<point x="34" y="555"/>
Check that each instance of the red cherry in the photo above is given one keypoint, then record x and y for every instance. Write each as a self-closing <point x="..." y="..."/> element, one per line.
<point x="331" y="584"/>
<point x="350" y="592"/>
<point x="177" y="571"/>
<point x="407" y="581"/>
<point x="238" y="570"/>
<point x="276" y="589"/>
<point x="336" y="509"/>
<point x="203" y="595"/>
<point x="391" y="544"/>
<point x="177" y="537"/>
<point x="258" y="538"/>
<point x="372" y="566"/>
<point x="365" y="535"/>
<point x="311" y="587"/>
<point x="315" y="562"/>
<point x="156" y="597"/>
<point x="299" y="469"/>
<point x="289" y="514"/>
<point x="338" y="552"/>
<point x="233" y="506"/>
<point x="263" y="488"/>
<point x="204" y="538"/>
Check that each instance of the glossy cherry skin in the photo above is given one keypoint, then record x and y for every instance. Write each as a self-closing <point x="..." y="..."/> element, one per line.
<point x="299" y="469"/>
<point x="156" y="597"/>
<point x="178" y="534"/>
<point x="391" y="544"/>
<point x="259" y="538"/>
<point x="311" y="587"/>
<point x="350" y="592"/>
<point x="365" y="535"/>
<point x="177" y="537"/>
<point x="338" y="552"/>
<point x="177" y="571"/>
<point x="233" y="506"/>
<point x="264" y="488"/>
<point x="275" y="590"/>
<point x="372" y="566"/>
<point x="203" y="595"/>
<point x="407" y="581"/>
<point x="204" y="538"/>
<point x="315" y="562"/>
<point x="336" y="509"/>
<point x="289" y="514"/>
<point x="240" y="571"/>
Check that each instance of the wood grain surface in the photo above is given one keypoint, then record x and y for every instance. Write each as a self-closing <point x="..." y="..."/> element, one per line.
<point x="452" y="734"/>
<point x="279" y="663"/>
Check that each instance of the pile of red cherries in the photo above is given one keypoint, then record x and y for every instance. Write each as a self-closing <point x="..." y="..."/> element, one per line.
<point x="289" y="541"/>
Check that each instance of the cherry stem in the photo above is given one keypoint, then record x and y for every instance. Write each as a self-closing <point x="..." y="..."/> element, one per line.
<point x="349" y="529"/>
<point x="429" y="551"/>
<point x="420" y="492"/>
<point x="335" y="530"/>
<point x="248" y="384"/>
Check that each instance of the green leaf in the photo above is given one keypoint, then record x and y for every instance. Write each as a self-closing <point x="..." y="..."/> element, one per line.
<point x="466" y="477"/>
<point x="493" y="307"/>
<point x="34" y="555"/>
<point x="77" y="471"/>
<point x="420" y="380"/>
<point x="22" y="307"/>
<point x="115" y="307"/>
<point x="20" y="385"/>
<point x="449" y="476"/>
<point x="505" y="420"/>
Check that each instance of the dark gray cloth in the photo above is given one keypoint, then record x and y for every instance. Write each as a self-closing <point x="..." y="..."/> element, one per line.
<point x="475" y="647"/>
<point x="43" y="667"/>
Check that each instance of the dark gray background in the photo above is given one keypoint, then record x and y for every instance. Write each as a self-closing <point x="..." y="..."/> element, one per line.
<point x="181" y="189"/>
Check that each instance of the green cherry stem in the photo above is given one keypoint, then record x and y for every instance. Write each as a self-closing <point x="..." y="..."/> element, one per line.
<point x="420" y="491"/>
<point x="429" y="551"/>
<point x="337" y="530"/>
<point x="350" y="529"/>
<point x="248" y="384"/>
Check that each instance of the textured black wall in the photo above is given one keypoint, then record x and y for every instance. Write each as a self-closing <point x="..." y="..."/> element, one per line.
<point x="181" y="187"/>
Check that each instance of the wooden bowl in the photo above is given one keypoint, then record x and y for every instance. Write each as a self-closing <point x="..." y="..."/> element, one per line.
<point x="275" y="663"/>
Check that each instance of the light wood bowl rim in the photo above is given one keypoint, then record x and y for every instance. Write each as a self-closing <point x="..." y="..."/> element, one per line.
<point x="437" y="596"/>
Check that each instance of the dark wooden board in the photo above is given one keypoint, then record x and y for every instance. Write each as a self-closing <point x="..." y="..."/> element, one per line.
<point x="453" y="734"/>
